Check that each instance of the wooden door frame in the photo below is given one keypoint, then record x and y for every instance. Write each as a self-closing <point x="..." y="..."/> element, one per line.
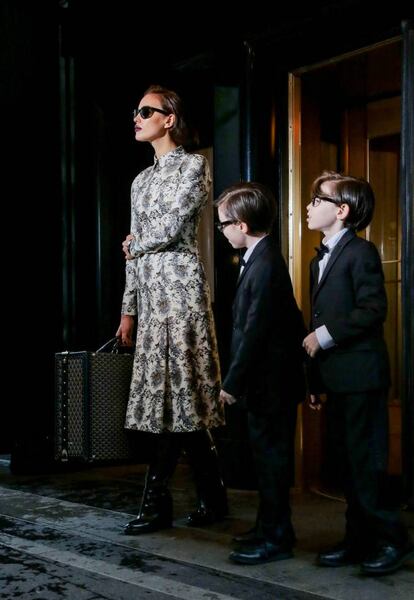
<point x="295" y="224"/>
<point x="407" y="257"/>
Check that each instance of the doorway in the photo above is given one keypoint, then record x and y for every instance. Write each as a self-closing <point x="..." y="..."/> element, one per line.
<point x="345" y="116"/>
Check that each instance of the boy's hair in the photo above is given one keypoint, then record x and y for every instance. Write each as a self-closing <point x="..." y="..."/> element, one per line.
<point x="353" y="191"/>
<point x="171" y="102"/>
<point x="250" y="203"/>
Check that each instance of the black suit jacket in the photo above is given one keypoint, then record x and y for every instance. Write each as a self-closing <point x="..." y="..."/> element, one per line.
<point x="350" y="300"/>
<point x="266" y="366"/>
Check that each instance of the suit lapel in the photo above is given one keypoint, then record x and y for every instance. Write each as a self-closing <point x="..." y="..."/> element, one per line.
<point x="314" y="273"/>
<point x="256" y="252"/>
<point x="336" y="252"/>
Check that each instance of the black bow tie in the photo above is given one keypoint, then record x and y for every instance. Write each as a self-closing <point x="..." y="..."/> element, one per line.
<point x="242" y="262"/>
<point x="322" y="250"/>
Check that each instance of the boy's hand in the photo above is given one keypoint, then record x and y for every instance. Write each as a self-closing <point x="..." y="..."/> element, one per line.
<point x="311" y="344"/>
<point x="315" y="402"/>
<point x="226" y="398"/>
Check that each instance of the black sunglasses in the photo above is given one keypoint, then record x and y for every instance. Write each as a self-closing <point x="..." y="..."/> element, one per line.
<point x="146" y="112"/>
<point x="223" y="224"/>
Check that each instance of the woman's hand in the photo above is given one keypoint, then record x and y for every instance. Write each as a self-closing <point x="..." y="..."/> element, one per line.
<point x="125" y="246"/>
<point x="125" y="330"/>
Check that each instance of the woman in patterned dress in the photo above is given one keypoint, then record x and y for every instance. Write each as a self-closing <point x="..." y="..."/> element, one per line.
<point x="175" y="384"/>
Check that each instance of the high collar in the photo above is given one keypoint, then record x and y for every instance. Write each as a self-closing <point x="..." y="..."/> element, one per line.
<point x="169" y="157"/>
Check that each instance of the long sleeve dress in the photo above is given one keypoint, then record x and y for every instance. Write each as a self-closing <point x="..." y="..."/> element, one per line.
<point x="176" y="375"/>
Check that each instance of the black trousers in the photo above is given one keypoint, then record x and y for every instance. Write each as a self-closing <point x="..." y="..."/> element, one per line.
<point x="360" y="423"/>
<point x="272" y="441"/>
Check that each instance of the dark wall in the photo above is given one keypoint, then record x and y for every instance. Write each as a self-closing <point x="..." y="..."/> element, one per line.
<point x="31" y="217"/>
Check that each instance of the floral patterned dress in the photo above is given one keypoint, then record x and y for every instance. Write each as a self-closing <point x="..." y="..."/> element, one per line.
<point x="176" y="376"/>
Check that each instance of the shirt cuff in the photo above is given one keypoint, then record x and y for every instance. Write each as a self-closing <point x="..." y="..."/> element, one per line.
<point x="132" y="248"/>
<point x="324" y="338"/>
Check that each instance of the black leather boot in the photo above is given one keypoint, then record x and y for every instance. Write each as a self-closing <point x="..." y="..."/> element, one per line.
<point x="212" y="497"/>
<point x="156" y="510"/>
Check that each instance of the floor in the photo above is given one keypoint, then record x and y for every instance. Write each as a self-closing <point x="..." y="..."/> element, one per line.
<point x="61" y="537"/>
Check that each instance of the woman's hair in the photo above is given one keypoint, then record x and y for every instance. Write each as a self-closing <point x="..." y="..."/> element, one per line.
<point x="353" y="191"/>
<point x="251" y="203"/>
<point x="171" y="102"/>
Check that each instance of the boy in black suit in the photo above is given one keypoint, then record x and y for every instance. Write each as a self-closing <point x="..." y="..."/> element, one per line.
<point x="265" y="375"/>
<point x="350" y="364"/>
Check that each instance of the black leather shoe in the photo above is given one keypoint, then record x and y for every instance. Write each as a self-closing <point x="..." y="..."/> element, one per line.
<point x="247" y="536"/>
<point x="147" y="524"/>
<point x="252" y="535"/>
<point x="261" y="552"/>
<point x="341" y="555"/>
<point x="387" y="559"/>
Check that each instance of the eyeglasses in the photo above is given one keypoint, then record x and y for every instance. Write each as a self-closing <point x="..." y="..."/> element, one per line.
<point x="223" y="224"/>
<point x="146" y="112"/>
<point x="316" y="200"/>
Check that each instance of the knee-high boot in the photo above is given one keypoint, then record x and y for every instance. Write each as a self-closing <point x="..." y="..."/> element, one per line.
<point x="211" y="493"/>
<point x="156" y="510"/>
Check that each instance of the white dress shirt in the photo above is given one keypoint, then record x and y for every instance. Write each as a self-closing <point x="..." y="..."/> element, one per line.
<point x="324" y="338"/>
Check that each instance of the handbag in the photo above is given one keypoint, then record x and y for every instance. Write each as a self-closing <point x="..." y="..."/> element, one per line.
<point x="91" y="397"/>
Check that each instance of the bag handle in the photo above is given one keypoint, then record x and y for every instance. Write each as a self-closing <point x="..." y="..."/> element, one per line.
<point x="115" y="347"/>
<point x="113" y="343"/>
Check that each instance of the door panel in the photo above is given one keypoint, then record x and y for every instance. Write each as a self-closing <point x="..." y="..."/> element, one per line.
<point x="380" y="165"/>
<point x="354" y="129"/>
<point x="385" y="232"/>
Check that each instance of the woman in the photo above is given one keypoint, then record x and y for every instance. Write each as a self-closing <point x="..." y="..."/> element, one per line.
<point x="175" y="384"/>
